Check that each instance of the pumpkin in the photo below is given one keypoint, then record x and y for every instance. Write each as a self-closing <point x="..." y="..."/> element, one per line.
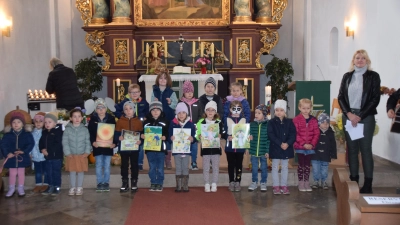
<point x="116" y="160"/>
<point x="92" y="159"/>
<point x="27" y="117"/>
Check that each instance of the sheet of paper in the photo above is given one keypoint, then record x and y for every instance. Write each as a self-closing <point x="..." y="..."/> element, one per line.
<point x="355" y="132"/>
<point x="375" y="200"/>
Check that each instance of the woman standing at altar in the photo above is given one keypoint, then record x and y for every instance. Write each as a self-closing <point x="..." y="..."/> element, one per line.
<point x="359" y="95"/>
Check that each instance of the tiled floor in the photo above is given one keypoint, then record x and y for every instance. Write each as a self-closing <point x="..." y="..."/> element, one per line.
<point x="317" y="207"/>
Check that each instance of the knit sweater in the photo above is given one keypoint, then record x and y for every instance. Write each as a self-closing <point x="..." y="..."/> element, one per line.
<point x="259" y="146"/>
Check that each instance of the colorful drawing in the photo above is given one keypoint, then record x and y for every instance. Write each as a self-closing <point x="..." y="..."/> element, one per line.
<point x="152" y="138"/>
<point x="105" y="134"/>
<point x="181" y="144"/>
<point x="209" y="136"/>
<point x="130" y="140"/>
<point x="240" y="135"/>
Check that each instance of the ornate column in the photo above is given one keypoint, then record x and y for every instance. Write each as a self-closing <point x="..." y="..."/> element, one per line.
<point x="100" y="12"/>
<point x="264" y="14"/>
<point x="122" y="11"/>
<point x="242" y="11"/>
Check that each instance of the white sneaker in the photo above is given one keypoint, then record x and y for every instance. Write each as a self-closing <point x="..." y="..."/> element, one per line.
<point x="213" y="187"/>
<point x="253" y="186"/>
<point x="79" y="191"/>
<point x="207" y="188"/>
<point x="72" y="191"/>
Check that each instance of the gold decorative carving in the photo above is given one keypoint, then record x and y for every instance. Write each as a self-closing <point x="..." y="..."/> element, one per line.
<point x="121" y="53"/>
<point x="223" y="21"/>
<point x="277" y="12"/>
<point x="269" y="38"/>
<point x="94" y="41"/>
<point x="84" y="7"/>
<point x="243" y="49"/>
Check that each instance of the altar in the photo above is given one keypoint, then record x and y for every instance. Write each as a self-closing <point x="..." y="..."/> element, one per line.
<point x="149" y="81"/>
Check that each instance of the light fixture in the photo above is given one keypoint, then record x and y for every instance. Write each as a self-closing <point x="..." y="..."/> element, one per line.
<point x="349" y="26"/>
<point x="5" y="25"/>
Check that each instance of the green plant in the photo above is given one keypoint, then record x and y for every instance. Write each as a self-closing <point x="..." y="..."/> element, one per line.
<point x="280" y="72"/>
<point x="88" y="73"/>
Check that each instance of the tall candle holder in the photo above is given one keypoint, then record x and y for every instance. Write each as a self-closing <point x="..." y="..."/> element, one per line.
<point x="121" y="93"/>
<point x="212" y="65"/>
<point x="147" y="62"/>
<point x="193" y="71"/>
<point x="244" y="90"/>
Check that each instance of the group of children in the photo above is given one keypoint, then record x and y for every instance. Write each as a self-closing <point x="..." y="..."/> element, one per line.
<point x="312" y="139"/>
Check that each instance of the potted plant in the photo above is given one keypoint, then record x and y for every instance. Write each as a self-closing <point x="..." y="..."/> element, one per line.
<point x="280" y="72"/>
<point x="88" y="73"/>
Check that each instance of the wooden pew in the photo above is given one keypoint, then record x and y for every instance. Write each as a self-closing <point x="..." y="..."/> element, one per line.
<point x="352" y="207"/>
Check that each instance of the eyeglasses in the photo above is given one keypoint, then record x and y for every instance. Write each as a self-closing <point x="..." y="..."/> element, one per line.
<point x="100" y="107"/>
<point x="210" y="110"/>
<point x="134" y="92"/>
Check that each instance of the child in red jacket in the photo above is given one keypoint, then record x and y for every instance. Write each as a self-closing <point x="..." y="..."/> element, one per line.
<point x="307" y="135"/>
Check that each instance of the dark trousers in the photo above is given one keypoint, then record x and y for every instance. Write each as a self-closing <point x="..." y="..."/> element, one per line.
<point x="235" y="164"/>
<point x="363" y="145"/>
<point x="131" y="157"/>
<point x="53" y="169"/>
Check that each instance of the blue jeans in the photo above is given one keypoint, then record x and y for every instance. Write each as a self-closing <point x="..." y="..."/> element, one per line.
<point x="53" y="168"/>
<point x="40" y="172"/>
<point x="103" y="161"/>
<point x="141" y="154"/>
<point x="193" y="151"/>
<point x="156" y="163"/>
<point x="320" y="170"/>
<point x="254" y="169"/>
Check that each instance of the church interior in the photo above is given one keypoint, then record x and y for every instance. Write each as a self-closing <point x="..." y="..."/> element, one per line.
<point x="238" y="40"/>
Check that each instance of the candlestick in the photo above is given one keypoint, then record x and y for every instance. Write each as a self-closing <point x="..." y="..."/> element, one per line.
<point x="194" y="49"/>
<point x="163" y="38"/>
<point x="246" y="82"/>
<point x="166" y="53"/>
<point x="201" y="49"/>
<point x="155" y="51"/>
<point x="212" y="49"/>
<point x="147" y="50"/>
<point x="267" y="95"/>
<point x="118" y="82"/>
<point x="199" y="39"/>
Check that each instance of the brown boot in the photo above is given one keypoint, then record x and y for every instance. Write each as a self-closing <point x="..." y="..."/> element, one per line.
<point x="37" y="189"/>
<point x="43" y="188"/>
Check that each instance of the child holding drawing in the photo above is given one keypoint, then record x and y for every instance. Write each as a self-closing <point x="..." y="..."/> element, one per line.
<point x="181" y="120"/>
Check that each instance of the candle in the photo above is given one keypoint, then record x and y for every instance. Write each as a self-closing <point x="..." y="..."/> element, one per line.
<point x="40" y="91"/>
<point x="147" y="50"/>
<point x="35" y="91"/>
<point x="52" y="95"/>
<point x="194" y="49"/>
<point x="268" y="90"/>
<point x="212" y="50"/>
<point x="201" y="49"/>
<point x="245" y="82"/>
<point x="155" y="50"/>
<point x="30" y="91"/>
<point x="199" y="39"/>
<point x="118" y="82"/>
<point x="163" y="38"/>
<point x="165" y="49"/>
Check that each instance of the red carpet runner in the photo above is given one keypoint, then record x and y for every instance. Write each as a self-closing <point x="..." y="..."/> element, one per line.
<point x="195" y="208"/>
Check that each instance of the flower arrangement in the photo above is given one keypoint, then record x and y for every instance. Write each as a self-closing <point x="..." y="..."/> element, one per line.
<point x="202" y="62"/>
<point x="339" y="130"/>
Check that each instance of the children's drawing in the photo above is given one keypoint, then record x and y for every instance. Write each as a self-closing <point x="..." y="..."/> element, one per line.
<point x="209" y="136"/>
<point x="130" y="140"/>
<point x="181" y="144"/>
<point x="240" y="135"/>
<point x="105" y="134"/>
<point x="152" y="138"/>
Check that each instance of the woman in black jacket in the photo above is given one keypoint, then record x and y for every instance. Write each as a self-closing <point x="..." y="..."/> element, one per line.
<point x="359" y="95"/>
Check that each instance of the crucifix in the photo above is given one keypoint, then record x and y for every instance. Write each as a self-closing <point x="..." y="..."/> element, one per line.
<point x="180" y="41"/>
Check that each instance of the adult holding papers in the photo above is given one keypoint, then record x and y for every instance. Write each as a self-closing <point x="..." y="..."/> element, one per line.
<point x="359" y="95"/>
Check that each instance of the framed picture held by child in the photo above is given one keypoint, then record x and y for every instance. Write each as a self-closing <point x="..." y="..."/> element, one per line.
<point x="181" y="144"/>
<point x="209" y="136"/>
<point x="152" y="140"/>
<point x="130" y="140"/>
<point x="105" y="134"/>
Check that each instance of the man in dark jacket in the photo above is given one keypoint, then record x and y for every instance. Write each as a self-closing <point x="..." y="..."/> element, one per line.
<point x="63" y="82"/>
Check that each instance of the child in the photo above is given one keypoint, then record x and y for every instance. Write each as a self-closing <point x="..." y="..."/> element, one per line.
<point x="259" y="147"/>
<point x="162" y="92"/>
<point x="210" y="95"/>
<point x="182" y="120"/>
<point x="210" y="154"/>
<point x="38" y="159"/>
<point x="236" y="95"/>
<point x="142" y="108"/>
<point x="76" y="147"/>
<point x="155" y="157"/>
<point x="102" y="154"/>
<point x="16" y="145"/>
<point x="128" y="122"/>
<point x="324" y="152"/>
<point x="194" y="113"/>
<point x="282" y="135"/>
<point x="307" y="134"/>
<point x="51" y="146"/>
<point x="234" y="156"/>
